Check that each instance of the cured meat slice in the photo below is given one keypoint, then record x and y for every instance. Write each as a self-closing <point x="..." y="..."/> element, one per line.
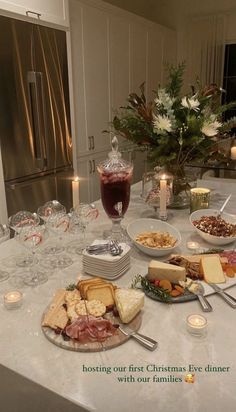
<point x="90" y="329"/>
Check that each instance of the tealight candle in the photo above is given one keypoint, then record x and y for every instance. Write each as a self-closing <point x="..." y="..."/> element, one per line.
<point x="197" y="324"/>
<point x="233" y="153"/>
<point x="75" y="191"/>
<point x="13" y="299"/>
<point x="192" y="245"/>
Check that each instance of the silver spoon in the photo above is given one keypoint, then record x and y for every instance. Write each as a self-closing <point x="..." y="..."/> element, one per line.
<point x="225" y="203"/>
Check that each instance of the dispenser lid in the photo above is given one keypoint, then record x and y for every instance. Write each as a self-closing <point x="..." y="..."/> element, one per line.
<point x="114" y="163"/>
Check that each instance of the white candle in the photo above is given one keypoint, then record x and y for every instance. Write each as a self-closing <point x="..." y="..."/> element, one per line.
<point x="192" y="245"/>
<point x="163" y="193"/>
<point x="75" y="191"/>
<point x="233" y="153"/>
<point x="197" y="325"/>
<point x="13" y="299"/>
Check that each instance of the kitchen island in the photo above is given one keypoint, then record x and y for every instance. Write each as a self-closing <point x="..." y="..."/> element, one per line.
<point x="128" y="377"/>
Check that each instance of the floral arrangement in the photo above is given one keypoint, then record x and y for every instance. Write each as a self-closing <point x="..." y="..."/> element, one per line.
<point x="176" y="129"/>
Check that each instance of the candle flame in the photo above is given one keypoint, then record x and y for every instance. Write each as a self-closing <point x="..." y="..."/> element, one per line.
<point x="76" y="179"/>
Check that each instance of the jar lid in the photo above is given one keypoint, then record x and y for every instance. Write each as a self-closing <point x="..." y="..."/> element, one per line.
<point x="114" y="163"/>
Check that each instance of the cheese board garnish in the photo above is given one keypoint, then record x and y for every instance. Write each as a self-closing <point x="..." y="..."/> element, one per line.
<point x="147" y="286"/>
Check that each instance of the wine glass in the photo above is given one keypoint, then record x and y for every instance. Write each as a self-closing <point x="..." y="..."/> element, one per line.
<point x="4" y="235"/>
<point x="81" y="215"/>
<point x="50" y="208"/>
<point x="115" y="177"/>
<point x="19" y="220"/>
<point x="59" y="223"/>
<point x="32" y="238"/>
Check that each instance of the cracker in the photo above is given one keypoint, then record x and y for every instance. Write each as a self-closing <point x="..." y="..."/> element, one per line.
<point x="92" y="307"/>
<point x="72" y="296"/>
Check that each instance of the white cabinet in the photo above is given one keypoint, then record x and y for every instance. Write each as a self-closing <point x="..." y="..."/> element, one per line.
<point x="154" y="60"/>
<point x="89" y="177"/>
<point x="138" y="72"/>
<point x="113" y="53"/>
<point x="53" y="11"/>
<point x="89" y="34"/>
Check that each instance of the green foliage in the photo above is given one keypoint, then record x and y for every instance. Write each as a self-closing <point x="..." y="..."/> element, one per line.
<point x="174" y="129"/>
<point x="175" y="79"/>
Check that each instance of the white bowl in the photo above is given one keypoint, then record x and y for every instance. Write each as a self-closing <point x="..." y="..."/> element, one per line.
<point x="152" y="225"/>
<point x="214" y="240"/>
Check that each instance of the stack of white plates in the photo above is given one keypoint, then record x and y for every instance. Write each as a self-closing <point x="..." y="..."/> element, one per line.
<point x="105" y="265"/>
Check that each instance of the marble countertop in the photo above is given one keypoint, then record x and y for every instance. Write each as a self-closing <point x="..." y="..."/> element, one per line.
<point x="127" y="378"/>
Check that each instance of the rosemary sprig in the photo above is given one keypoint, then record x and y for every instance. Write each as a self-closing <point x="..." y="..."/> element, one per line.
<point x="147" y="286"/>
<point x="71" y="286"/>
<point x="211" y="251"/>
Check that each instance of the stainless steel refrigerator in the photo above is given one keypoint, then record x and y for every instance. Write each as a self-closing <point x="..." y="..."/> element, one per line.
<point x="35" y="130"/>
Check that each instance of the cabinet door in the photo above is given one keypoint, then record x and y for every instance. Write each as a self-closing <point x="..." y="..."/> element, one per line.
<point x="54" y="11"/>
<point x="76" y="34"/>
<point x="169" y="50"/>
<point x="138" y="73"/>
<point x="119" y="45"/>
<point x="154" y="60"/>
<point x="96" y="80"/>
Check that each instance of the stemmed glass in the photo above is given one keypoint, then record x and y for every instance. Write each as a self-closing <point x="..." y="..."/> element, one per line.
<point x="59" y="223"/>
<point x="17" y="222"/>
<point x="81" y="215"/>
<point x="45" y="212"/>
<point x="50" y="208"/>
<point x="4" y="235"/>
<point x="32" y="238"/>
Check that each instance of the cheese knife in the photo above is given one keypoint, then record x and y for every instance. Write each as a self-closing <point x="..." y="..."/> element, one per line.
<point x="147" y="342"/>
<point x="228" y="298"/>
<point x="198" y="290"/>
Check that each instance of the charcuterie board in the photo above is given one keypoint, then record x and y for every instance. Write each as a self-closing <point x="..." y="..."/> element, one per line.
<point x="118" y="339"/>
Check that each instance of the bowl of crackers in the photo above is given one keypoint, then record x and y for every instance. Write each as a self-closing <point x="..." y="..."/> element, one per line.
<point x="154" y="237"/>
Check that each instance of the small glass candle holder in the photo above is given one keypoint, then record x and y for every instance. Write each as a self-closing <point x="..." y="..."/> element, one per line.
<point x="199" y="198"/>
<point x="197" y="325"/>
<point x="13" y="299"/>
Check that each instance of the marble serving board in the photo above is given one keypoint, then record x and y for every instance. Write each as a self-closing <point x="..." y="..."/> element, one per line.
<point x="112" y="342"/>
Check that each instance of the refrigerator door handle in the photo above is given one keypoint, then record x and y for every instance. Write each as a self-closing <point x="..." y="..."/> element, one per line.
<point x="37" y="105"/>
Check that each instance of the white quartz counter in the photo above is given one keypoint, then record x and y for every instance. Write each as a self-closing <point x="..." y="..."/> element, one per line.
<point x="93" y="380"/>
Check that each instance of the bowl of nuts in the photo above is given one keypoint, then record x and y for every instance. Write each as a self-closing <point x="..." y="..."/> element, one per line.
<point x="217" y="229"/>
<point x="154" y="237"/>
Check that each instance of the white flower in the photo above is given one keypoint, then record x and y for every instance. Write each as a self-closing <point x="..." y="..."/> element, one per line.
<point x="190" y="103"/>
<point x="210" y="129"/>
<point x="162" y="123"/>
<point x="164" y="99"/>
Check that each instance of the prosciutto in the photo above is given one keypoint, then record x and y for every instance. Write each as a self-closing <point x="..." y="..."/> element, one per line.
<point x="230" y="255"/>
<point x="90" y="329"/>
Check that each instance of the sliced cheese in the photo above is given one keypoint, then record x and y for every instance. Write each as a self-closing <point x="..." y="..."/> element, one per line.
<point x="197" y="258"/>
<point x="160" y="270"/>
<point x="210" y="267"/>
<point x="128" y="302"/>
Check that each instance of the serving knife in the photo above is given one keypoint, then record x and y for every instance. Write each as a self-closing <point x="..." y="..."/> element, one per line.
<point x="147" y="342"/>
<point x="228" y="298"/>
<point x="198" y="290"/>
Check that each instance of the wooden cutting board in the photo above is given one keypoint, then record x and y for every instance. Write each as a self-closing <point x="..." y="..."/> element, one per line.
<point x="109" y="343"/>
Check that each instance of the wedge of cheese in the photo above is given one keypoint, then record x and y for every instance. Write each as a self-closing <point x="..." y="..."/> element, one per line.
<point x="128" y="302"/>
<point x="160" y="270"/>
<point x="210" y="267"/>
